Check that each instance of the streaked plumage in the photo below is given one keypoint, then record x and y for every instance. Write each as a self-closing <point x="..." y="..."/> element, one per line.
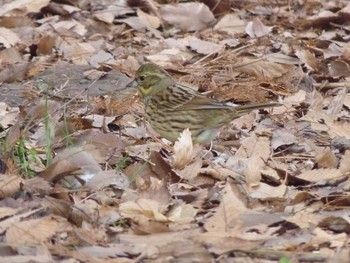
<point x="172" y="107"/>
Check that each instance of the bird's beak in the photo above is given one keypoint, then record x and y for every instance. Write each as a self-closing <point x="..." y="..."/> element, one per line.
<point x="132" y="84"/>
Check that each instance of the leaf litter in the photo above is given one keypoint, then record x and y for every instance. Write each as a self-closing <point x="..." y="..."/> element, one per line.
<point x="84" y="177"/>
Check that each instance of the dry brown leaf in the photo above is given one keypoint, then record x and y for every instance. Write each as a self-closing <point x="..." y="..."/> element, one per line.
<point x="183" y="150"/>
<point x="143" y="207"/>
<point x="255" y="146"/>
<point x="46" y="45"/>
<point x="339" y="68"/>
<point x="37" y="185"/>
<point x="104" y="147"/>
<point x="108" y="178"/>
<point x="10" y="56"/>
<point x="333" y="50"/>
<point x="282" y="137"/>
<point x="256" y="28"/>
<point x="168" y="57"/>
<point x="335" y="240"/>
<point x="336" y="104"/>
<point x="192" y="16"/>
<point x="8" y="115"/>
<point x="326" y="159"/>
<point x="71" y="160"/>
<point x="58" y="170"/>
<point x="345" y="163"/>
<point x="205" y="47"/>
<point x="7" y="211"/>
<point x="220" y="243"/>
<point x="231" y="23"/>
<point x="305" y="219"/>
<point x="307" y="58"/>
<point x="252" y="173"/>
<point x="100" y="58"/>
<point x="14" y="72"/>
<point x="28" y="5"/>
<point x="182" y="213"/>
<point x="112" y="251"/>
<point x="318" y="175"/>
<point x="94" y="74"/>
<point x="338" y="128"/>
<point x="15" y="21"/>
<point x="224" y="218"/>
<point x="79" y="53"/>
<point x="338" y="224"/>
<point x="70" y="27"/>
<point x="8" y="38"/>
<point x="35" y="231"/>
<point x="149" y="20"/>
<point x="13" y="220"/>
<point x="65" y="209"/>
<point x="262" y="69"/>
<point x="268" y="192"/>
<point x="9" y="184"/>
<point x="152" y="244"/>
<point x="218" y="7"/>
<point x="119" y="10"/>
<point x="190" y="171"/>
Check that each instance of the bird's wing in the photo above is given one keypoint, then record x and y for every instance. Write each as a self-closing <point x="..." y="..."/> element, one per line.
<point x="185" y="98"/>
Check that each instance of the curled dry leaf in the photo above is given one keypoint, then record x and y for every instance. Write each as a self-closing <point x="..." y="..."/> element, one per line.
<point x="184" y="151"/>
<point x="69" y="161"/>
<point x="339" y="68"/>
<point x="191" y="16"/>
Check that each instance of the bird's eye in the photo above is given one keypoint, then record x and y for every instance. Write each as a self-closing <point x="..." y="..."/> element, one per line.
<point x="142" y="78"/>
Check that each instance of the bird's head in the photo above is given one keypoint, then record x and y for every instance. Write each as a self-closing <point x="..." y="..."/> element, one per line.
<point x="150" y="79"/>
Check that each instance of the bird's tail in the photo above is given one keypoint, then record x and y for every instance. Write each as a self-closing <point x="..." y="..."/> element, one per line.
<point x="244" y="109"/>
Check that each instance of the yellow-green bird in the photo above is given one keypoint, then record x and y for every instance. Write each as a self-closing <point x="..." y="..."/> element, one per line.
<point x="171" y="107"/>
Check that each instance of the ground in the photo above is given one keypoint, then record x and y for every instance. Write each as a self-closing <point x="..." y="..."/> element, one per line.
<point x="84" y="178"/>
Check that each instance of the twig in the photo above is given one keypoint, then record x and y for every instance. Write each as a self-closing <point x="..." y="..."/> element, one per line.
<point x="333" y="85"/>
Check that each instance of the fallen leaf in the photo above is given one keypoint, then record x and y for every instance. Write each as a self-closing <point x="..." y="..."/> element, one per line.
<point x="231" y="23"/>
<point x="191" y="16"/>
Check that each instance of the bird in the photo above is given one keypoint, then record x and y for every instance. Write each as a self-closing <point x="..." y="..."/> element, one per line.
<point x="171" y="106"/>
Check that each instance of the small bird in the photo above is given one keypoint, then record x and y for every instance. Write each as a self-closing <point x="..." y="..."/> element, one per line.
<point x="171" y="107"/>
